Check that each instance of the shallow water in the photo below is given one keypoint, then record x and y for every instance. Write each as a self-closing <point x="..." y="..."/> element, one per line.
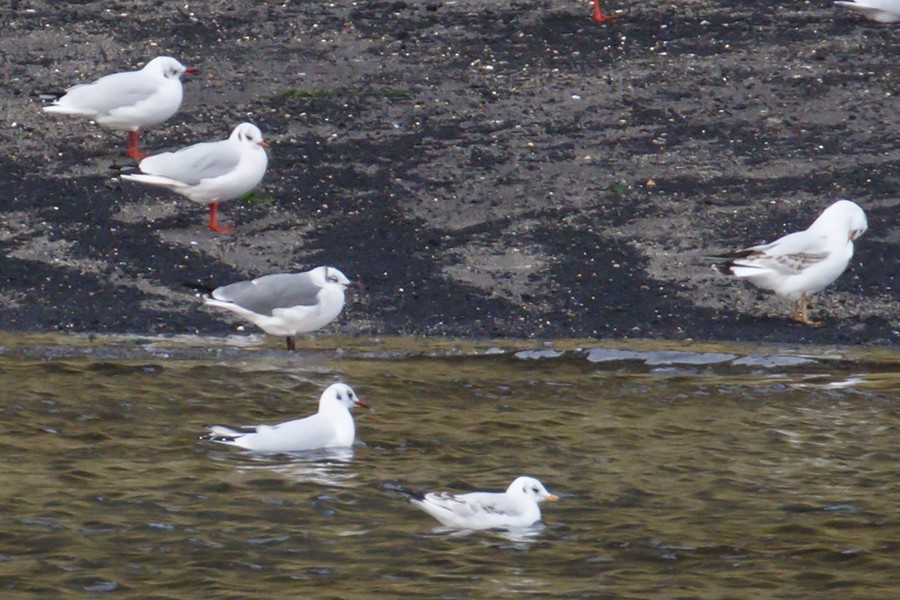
<point x="683" y="471"/>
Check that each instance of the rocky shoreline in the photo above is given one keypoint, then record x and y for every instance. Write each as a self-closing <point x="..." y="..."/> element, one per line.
<point x="487" y="169"/>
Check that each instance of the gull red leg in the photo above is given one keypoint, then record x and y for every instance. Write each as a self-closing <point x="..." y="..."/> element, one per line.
<point x="599" y="16"/>
<point x="214" y="219"/>
<point x="133" y="150"/>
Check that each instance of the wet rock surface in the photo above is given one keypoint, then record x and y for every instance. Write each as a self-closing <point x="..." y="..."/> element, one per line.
<point x="486" y="168"/>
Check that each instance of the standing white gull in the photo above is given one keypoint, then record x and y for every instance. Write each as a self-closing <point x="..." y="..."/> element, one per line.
<point x="285" y="303"/>
<point x="210" y="172"/>
<point x="331" y="427"/>
<point x="517" y="507"/>
<point x="129" y="101"/>
<point x="882" y="11"/>
<point x="800" y="264"/>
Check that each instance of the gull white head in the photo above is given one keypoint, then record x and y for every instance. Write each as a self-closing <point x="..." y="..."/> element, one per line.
<point x="530" y="487"/>
<point x="248" y="133"/>
<point x="329" y="277"/>
<point x="168" y="67"/>
<point x="845" y="216"/>
<point x="339" y="395"/>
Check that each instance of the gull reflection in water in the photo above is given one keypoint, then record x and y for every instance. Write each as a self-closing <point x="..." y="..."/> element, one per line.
<point x="520" y="537"/>
<point x="328" y="467"/>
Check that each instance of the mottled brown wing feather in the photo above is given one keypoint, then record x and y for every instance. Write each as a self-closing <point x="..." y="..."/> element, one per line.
<point x="799" y="261"/>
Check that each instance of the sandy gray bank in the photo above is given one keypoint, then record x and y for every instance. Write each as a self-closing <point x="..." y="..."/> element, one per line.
<point x="486" y="169"/>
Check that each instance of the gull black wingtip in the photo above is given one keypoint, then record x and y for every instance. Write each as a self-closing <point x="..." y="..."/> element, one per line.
<point x="409" y="493"/>
<point x="200" y="287"/>
<point x="47" y="97"/>
<point x="723" y="262"/>
<point x="731" y="254"/>
<point x="720" y="262"/>
<point x="124" y="169"/>
<point x="211" y="437"/>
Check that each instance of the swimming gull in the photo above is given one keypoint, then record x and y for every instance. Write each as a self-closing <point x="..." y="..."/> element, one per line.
<point x="331" y="427"/>
<point x="515" y="508"/>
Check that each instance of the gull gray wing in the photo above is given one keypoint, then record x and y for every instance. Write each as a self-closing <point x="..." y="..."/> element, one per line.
<point x="489" y="503"/>
<point x="475" y="505"/>
<point x="111" y="92"/>
<point x="195" y="163"/>
<point x="309" y="432"/>
<point x="265" y="294"/>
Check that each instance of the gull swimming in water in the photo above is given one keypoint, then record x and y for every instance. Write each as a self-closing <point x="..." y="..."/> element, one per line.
<point x="284" y="304"/>
<point x="517" y="507"/>
<point x="800" y="264"/>
<point x="130" y="101"/>
<point x="331" y="427"/>
<point x="882" y="11"/>
<point x="210" y="172"/>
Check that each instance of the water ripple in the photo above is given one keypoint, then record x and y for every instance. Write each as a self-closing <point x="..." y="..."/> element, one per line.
<point x="721" y="473"/>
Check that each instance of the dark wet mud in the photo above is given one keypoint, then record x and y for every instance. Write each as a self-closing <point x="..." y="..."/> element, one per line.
<point x="486" y="168"/>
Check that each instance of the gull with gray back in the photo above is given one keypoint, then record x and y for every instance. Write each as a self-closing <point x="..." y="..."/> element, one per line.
<point x="210" y="172"/>
<point x="284" y="304"/>
<point x="129" y="101"/>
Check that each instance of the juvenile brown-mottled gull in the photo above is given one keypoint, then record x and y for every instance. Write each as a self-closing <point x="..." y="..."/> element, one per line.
<point x="517" y="507"/>
<point x="800" y="264"/>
